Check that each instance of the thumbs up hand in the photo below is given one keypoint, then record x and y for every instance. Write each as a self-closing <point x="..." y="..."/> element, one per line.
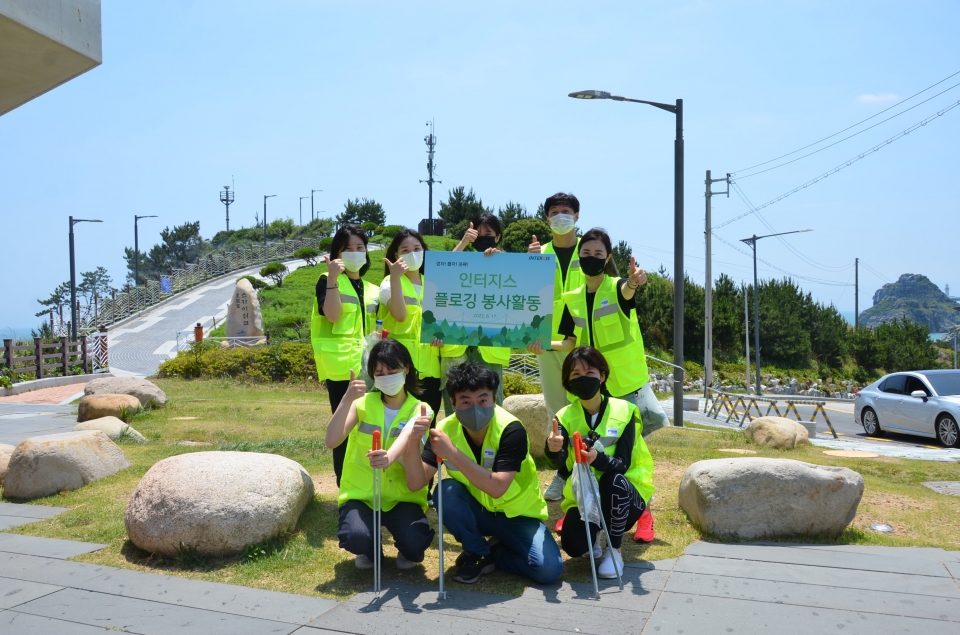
<point x="471" y="234"/>
<point x="397" y="268"/>
<point x="421" y="424"/>
<point x="534" y="247"/>
<point x="356" y="389"/>
<point x="334" y="267"/>
<point x="637" y="276"/>
<point x="555" y="439"/>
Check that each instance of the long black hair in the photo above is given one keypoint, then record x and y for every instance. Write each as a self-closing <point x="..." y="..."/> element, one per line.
<point x="342" y="238"/>
<point x="394" y="356"/>
<point x="394" y="247"/>
<point x="599" y="234"/>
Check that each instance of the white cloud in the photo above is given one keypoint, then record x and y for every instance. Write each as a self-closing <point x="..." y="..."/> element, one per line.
<point x="877" y="99"/>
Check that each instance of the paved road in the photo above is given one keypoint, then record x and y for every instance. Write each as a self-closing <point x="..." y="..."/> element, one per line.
<point x="21" y="421"/>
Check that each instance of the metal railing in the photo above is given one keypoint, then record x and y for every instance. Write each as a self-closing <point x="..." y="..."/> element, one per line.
<point x="730" y="403"/>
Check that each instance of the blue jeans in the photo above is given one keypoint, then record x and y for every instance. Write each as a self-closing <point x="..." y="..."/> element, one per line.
<point x="526" y="546"/>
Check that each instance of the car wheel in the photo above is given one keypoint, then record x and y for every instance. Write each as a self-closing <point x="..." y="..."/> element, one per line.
<point x="947" y="432"/>
<point x="871" y="425"/>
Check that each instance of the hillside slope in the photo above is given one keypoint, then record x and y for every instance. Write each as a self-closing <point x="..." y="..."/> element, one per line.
<point x="914" y="297"/>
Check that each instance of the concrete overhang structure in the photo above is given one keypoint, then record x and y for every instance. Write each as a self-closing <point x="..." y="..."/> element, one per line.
<point x="44" y="43"/>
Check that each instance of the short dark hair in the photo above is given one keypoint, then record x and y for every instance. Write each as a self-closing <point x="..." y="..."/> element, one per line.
<point x="600" y="234"/>
<point x="394" y="247"/>
<point x="586" y="355"/>
<point x="342" y="238"/>
<point x="395" y="356"/>
<point x="470" y="376"/>
<point x="561" y="199"/>
<point x="486" y="218"/>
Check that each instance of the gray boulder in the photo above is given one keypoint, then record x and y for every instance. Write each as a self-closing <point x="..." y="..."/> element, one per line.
<point x="755" y="498"/>
<point x="776" y="432"/>
<point x="113" y="428"/>
<point x="6" y="451"/>
<point x="532" y="413"/>
<point x="146" y="392"/>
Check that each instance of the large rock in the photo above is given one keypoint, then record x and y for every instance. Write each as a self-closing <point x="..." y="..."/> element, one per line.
<point x="5" y="452"/>
<point x="532" y="413"/>
<point x="753" y="498"/>
<point x="243" y="312"/>
<point x="112" y="427"/>
<point x="96" y="406"/>
<point x="41" y="466"/>
<point x="777" y="432"/>
<point x="145" y="391"/>
<point x="216" y="502"/>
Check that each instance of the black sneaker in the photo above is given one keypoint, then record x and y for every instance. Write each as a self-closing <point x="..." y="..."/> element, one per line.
<point x="473" y="567"/>
<point x="492" y="541"/>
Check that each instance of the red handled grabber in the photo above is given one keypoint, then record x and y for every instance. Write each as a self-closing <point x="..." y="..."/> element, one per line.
<point x="377" y="532"/>
<point x="439" y="493"/>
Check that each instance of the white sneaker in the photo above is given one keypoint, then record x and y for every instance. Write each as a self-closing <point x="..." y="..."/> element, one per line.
<point x="363" y="563"/>
<point x="403" y="564"/>
<point x="606" y="569"/>
<point x="597" y="551"/>
<point x="555" y="491"/>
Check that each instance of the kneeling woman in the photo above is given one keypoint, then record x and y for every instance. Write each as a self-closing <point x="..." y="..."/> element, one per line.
<point x="392" y="408"/>
<point x="618" y="456"/>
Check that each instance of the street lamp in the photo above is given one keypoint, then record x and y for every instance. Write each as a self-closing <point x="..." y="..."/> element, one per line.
<point x="73" y="277"/>
<point x="265" y="197"/>
<point x="677" y="110"/>
<point x="752" y="241"/>
<point x="301" y="208"/>
<point x="136" y="250"/>
<point x="311" y="203"/>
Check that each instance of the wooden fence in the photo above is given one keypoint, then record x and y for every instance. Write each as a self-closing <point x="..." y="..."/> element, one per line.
<point x="44" y="360"/>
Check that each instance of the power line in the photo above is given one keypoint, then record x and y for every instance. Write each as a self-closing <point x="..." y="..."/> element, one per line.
<point x="899" y="103"/>
<point x="832" y="283"/>
<point x="747" y="176"/>
<point x="875" y="272"/>
<point x="845" y="164"/>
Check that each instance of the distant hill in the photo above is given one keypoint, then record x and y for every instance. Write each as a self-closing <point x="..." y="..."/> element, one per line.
<point x="914" y="297"/>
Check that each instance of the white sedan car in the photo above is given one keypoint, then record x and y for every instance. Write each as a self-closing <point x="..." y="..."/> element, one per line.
<point x="923" y="402"/>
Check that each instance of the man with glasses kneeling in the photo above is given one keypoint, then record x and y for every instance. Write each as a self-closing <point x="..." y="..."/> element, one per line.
<point x="492" y="489"/>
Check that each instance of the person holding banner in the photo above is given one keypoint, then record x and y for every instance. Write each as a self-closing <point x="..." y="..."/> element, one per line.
<point x="394" y="410"/>
<point x="484" y="235"/>
<point x="401" y="309"/>
<point x="491" y="487"/>
<point x="617" y="454"/>
<point x="563" y="212"/>
<point x="344" y="312"/>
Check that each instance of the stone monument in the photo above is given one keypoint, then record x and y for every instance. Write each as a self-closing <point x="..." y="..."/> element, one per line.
<point x="243" y="314"/>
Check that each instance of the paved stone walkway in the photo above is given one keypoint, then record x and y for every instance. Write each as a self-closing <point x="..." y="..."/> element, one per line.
<point x="711" y="588"/>
<point x="22" y="421"/>
<point x="49" y="396"/>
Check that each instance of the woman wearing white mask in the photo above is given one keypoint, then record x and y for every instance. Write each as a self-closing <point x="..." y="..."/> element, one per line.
<point x="394" y="410"/>
<point x="344" y="312"/>
<point x="401" y="300"/>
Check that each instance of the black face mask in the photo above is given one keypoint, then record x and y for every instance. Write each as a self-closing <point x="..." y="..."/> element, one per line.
<point x="483" y="243"/>
<point x="585" y="387"/>
<point x="591" y="265"/>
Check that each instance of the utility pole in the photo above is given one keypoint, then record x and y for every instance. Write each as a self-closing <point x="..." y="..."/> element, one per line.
<point x="311" y="203"/>
<point x="856" y="293"/>
<point x="746" y="333"/>
<point x="431" y="141"/>
<point x="265" y="197"/>
<point x="708" y="286"/>
<point x="226" y="197"/>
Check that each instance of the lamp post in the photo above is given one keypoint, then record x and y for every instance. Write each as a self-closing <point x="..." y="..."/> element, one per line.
<point x="956" y="332"/>
<point x="311" y="203"/>
<point x="752" y="241"/>
<point x="676" y="109"/>
<point x="265" y="197"/>
<point x="301" y="208"/>
<point x="73" y="277"/>
<point x="136" y="249"/>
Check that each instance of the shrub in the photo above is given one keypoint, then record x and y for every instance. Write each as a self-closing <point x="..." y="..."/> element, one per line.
<point x="256" y="283"/>
<point x="370" y="228"/>
<point x="514" y="384"/>
<point x="308" y="255"/>
<point x="276" y="271"/>
<point x="325" y="243"/>
<point x="287" y="361"/>
<point x="390" y="231"/>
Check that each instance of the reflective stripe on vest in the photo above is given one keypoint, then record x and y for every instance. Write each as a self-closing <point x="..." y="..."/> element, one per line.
<point x="338" y="346"/>
<point x="356" y="482"/>
<point x="615" y="335"/>
<point x="523" y="496"/>
<point x="616" y="416"/>
<point x="573" y="280"/>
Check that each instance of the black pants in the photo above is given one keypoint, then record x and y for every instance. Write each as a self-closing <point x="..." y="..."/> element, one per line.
<point x="407" y="523"/>
<point x="337" y="388"/>
<point x="622" y="506"/>
<point x="432" y="395"/>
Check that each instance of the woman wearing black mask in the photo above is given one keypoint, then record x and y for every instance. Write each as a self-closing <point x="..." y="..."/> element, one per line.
<point x="484" y="235"/>
<point x="616" y="453"/>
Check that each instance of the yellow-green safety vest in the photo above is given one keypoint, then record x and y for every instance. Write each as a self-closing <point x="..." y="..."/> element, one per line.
<point x="574" y="279"/>
<point x="523" y="497"/>
<point x="425" y="357"/>
<point x="356" y="482"/>
<point x="615" y="335"/>
<point x="338" y="346"/>
<point x="616" y="416"/>
<point x="489" y="354"/>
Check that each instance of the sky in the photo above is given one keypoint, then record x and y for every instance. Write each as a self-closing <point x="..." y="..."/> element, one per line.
<point x="288" y="96"/>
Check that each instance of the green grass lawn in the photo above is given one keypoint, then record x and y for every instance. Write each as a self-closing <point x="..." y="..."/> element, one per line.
<point x="290" y="419"/>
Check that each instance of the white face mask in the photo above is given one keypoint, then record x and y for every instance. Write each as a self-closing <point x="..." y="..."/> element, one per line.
<point x="390" y="384"/>
<point x="562" y="223"/>
<point x="353" y="260"/>
<point x="414" y="259"/>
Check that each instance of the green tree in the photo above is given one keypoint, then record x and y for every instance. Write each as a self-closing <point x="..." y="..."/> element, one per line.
<point x="276" y="271"/>
<point x="510" y="213"/>
<point x="308" y="255"/>
<point x="516" y="238"/>
<point x="459" y="209"/>
<point x="181" y="244"/>
<point x="621" y="257"/>
<point x="728" y="335"/>
<point x="59" y="296"/>
<point x="905" y="345"/>
<point x="360" y="211"/>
